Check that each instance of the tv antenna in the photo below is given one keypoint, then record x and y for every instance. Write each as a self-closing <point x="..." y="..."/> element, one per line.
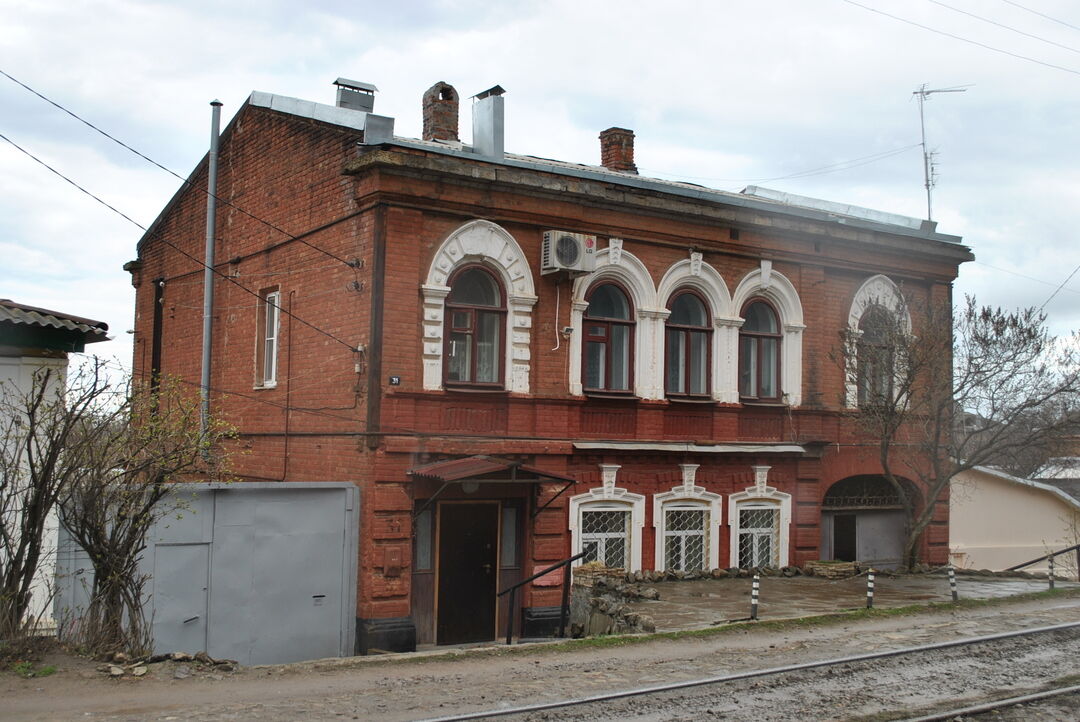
<point x="929" y="174"/>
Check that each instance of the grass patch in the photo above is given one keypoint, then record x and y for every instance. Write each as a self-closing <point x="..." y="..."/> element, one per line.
<point x="26" y="669"/>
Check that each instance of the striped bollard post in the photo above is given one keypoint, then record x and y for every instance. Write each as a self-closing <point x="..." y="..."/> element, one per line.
<point x="952" y="583"/>
<point x="1050" y="576"/>
<point x="755" y="592"/>
<point x="870" y="589"/>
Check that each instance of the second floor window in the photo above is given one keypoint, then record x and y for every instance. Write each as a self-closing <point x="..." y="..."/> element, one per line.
<point x="876" y="356"/>
<point x="608" y="340"/>
<point x="759" y="353"/>
<point x="687" y="347"/>
<point x="475" y="318"/>
<point x="267" y="338"/>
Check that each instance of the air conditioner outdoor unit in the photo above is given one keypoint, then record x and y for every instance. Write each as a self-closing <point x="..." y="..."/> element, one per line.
<point x="565" y="251"/>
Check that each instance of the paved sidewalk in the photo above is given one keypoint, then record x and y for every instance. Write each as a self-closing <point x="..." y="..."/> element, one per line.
<point x="703" y="603"/>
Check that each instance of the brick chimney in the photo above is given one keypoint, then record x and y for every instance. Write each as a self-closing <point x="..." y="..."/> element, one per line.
<point x="441" y="112"/>
<point x="617" y="149"/>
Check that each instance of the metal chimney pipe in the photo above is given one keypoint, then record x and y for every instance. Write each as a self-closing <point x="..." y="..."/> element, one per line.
<point x="208" y="271"/>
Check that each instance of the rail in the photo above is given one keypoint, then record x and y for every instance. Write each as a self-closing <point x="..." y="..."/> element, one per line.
<point x="1051" y="555"/>
<point x="512" y="590"/>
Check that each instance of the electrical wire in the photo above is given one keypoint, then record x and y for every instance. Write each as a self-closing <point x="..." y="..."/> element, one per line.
<point x="822" y="170"/>
<point x="1004" y="26"/>
<point x="1042" y="15"/>
<point x="1058" y="289"/>
<point x="167" y="242"/>
<point x="963" y="39"/>
<point x="182" y="179"/>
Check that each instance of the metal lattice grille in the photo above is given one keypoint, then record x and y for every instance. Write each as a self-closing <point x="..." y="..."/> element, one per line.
<point x="759" y="537"/>
<point x="605" y="537"/>
<point x="684" y="539"/>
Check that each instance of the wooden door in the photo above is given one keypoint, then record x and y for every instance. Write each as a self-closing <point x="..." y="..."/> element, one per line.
<point x="468" y="572"/>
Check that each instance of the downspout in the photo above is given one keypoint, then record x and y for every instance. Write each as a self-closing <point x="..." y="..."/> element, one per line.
<point x="378" y="283"/>
<point x="208" y="272"/>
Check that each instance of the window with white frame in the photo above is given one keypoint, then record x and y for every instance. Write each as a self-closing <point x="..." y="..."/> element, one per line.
<point x="605" y="536"/>
<point x="876" y="356"/>
<point x="759" y="535"/>
<point x="686" y="536"/>
<point x="269" y="317"/>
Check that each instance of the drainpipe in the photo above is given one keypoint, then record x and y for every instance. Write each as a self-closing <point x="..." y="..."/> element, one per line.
<point x="208" y="272"/>
<point x="375" y="343"/>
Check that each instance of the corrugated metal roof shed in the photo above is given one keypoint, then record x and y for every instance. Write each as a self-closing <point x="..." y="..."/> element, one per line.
<point x="21" y="314"/>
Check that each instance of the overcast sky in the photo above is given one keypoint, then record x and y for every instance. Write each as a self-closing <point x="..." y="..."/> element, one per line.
<point x="812" y="97"/>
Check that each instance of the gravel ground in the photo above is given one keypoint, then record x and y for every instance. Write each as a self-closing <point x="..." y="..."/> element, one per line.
<point x="409" y="687"/>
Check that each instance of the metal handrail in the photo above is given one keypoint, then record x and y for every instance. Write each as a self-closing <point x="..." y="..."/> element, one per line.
<point x="512" y="590"/>
<point x="1051" y="555"/>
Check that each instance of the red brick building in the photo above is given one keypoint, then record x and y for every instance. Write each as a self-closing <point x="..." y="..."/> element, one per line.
<point x="518" y="359"/>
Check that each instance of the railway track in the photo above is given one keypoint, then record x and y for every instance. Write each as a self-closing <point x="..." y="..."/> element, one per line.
<point x="942" y="680"/>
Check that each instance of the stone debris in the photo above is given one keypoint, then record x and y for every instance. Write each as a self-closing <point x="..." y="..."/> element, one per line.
<point x="181" y="664"/>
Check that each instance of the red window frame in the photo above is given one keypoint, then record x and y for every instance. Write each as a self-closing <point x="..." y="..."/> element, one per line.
<point x="706" y="331"/>
<point x="474" y="314"/>
<point x="607" y="324"/>
<point x="757" y="338"/>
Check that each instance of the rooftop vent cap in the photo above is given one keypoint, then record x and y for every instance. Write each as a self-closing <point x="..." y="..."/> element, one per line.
<point x="354" y="95"/>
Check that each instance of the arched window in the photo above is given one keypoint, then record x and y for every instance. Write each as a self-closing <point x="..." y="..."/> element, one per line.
<point x="759" y="352"/>
<point x="687" y="343"/>
<point x="876" y="356"/>
<point x="608" y="340"/>
<point x="475" y="318"/>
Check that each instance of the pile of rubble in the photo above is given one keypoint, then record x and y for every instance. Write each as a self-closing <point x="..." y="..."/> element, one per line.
<point x="180" y="664"/>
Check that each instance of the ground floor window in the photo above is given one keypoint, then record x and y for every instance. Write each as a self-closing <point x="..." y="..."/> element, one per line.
<point x="759" y="536"/>
<point x="605" y="537"/>
<point x="685" y="537"/>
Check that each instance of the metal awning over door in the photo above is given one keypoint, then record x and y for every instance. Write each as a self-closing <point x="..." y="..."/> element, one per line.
<point x="486" y="470"/>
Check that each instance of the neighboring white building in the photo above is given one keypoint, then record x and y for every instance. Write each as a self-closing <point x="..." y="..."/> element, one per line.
<point x="997" y="521"/>
<point x="33" y="339"/>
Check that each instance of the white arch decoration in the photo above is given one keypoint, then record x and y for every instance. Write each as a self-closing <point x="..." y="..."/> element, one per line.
<point x="615" y="264"/>
<point x="693" y="273"/>
<point x="766" y="283"/>
<point x="609" y="497"/>
<point x="489" y="244"/>
<point x="877" y="290"/>
<point x="761" y="494"/>
<point x="687" y="492"/>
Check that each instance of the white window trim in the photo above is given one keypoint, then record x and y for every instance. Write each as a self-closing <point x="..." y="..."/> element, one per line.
<point x="493" y="247"/>
<point x="877" y="290"/>
<point x="683" y="496"/>
<point x="700" y="276"/>
<point x="760" y="495"/>
<point x="268" y="369"/>
<point x="775" y="287"/>
<point x="615" y="264"/>
<point x="609" y="497"/>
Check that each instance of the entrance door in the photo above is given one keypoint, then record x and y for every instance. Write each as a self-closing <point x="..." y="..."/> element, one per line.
<point x="468" y="572"/>
<point x="845" y="548"/>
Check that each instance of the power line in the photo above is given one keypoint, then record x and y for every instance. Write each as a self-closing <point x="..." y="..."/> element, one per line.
<point x="832" y="168"/>
<point x="963" y="39"/>
<point x="1058" y="289"/>
<point x="182" y="179"/>
<point x="1022" y="275"/>
<point x="167" y="242"/>
<point x="1006" y="27"/>
<point x="1042" y="15"/>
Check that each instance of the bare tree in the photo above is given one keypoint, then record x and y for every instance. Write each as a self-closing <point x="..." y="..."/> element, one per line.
<point x="41" y="429"/>
<point x="151" y="439"/>
<point x="101" y="454"/>
<point x="943" y="392"/>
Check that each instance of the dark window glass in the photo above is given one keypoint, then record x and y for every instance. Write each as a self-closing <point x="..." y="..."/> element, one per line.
<point x="759" y="353"/>
<point x="609" y="340"/>
<point x="687" y="347"/>
<point x="475" y="318"/>
<point x="875" y="356"/>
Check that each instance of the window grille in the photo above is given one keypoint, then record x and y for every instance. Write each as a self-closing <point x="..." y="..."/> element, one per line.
<point x="605" y="537"/>
<point x="759" y="536"/>
<point x="685" y="539"/>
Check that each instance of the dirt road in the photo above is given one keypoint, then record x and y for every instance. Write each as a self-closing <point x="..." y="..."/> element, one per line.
<point x="408" y="687"/>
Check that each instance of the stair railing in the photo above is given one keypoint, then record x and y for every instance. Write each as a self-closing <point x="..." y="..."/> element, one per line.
<point x="512" y="591"/>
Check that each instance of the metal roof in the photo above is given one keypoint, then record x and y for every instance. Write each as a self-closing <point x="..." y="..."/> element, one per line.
<point x="22" y="314"/>
<point x="478" y="467"/>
